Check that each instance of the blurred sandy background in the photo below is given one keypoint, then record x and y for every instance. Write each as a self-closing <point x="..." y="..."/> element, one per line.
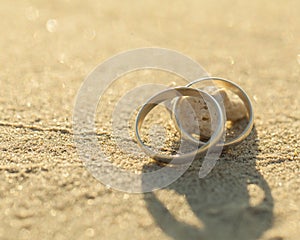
<point x="48" y="48"/>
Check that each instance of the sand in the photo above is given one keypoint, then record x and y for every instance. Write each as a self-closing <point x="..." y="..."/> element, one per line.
<point x="47" y="50"/>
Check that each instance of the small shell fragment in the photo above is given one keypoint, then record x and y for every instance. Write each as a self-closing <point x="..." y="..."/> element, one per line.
<point x="194" y="115"/>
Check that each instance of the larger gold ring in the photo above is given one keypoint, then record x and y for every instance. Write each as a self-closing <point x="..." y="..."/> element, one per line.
<point x="174" y="93"/>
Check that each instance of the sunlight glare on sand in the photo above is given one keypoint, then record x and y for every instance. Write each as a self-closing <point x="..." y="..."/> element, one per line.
<point x="51" y="25"/>
<point x="32" y="13"/>
<point x="89" y="34"/>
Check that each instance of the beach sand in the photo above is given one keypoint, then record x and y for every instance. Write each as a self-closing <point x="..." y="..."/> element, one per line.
<point x="47" y="50"/>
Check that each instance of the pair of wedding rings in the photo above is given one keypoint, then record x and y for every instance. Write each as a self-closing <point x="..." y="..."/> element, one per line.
<point x="214" y="104"/>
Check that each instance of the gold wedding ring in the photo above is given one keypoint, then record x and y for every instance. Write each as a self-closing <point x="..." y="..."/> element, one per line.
<point x="220" y="83"/>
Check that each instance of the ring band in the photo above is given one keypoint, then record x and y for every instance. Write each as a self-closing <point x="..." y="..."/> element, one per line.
<point x="217" y="135"/>
<point x="235" y="89"/>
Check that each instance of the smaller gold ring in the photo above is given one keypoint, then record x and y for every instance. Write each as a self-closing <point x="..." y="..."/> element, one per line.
<point x="221" y="82"/>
